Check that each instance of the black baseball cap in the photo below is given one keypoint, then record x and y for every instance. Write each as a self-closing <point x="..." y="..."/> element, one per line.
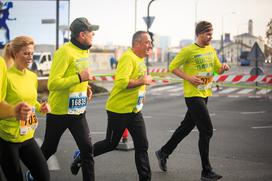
<point x="82" y="24"/>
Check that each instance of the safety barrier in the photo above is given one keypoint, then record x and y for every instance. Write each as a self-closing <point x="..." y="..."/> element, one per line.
<point x="244" y="78"/>
<point x="220" y="78"/>
<point x="158" y="70"/>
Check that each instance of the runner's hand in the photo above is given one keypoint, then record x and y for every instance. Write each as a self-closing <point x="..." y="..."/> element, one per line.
<point x="147" y="79"/>
<point x="22" y="111"/>
<point x="45" y="108"/>
<point x="225" y="67"/>
<point x="89" y="93"/>
<point x="86" y="75"/>
<point x="195" y="80"/>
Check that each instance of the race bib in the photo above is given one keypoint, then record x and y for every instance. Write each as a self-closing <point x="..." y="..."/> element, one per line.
<point x="207" y="79"/>
<point x="140" y="100"/>
<point x="30" y="124"/>
<point x="77" y="103"/>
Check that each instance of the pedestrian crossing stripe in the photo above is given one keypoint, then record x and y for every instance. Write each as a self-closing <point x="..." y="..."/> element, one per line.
<point x="177" y="90"/>
<point x="245" y="91"/>
<point x="228" y="90"/>
<point x="263" y="91"/>
<point x="163" y="88"/>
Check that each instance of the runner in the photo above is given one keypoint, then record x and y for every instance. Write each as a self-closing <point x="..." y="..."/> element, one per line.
<point x="69" y="93"/>
<point x="125" y="103"/>
<point x="21" y="110"/>
<point x="16" y="137"/>
<point x="199" y="61"/>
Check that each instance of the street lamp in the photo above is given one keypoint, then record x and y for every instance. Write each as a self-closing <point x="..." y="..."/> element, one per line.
<point x="222" y="36"/>
<point x="149" y="20"/>
<point x="135" y="16"/>
<point x="57" y="23"/>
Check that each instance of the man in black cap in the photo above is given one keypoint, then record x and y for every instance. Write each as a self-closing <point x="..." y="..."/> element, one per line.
<point x="69" y="94"/>
<point x="199" y="61"/>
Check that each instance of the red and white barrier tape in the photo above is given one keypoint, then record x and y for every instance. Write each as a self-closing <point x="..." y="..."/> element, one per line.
<point x="221" y="78"/>
<point x="244" y="78"/>
<point x="158" y="70"/>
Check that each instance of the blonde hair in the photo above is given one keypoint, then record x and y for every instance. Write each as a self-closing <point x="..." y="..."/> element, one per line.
<point x="7" y="55"/>
<point x="14" y="46"/>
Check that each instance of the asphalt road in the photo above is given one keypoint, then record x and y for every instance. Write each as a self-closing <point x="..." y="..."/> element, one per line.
<point x="240" y="150"/>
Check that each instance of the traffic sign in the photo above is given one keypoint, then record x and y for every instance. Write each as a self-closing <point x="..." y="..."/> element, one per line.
<point x="149" y="20"/>
<point x="256" y="54"/>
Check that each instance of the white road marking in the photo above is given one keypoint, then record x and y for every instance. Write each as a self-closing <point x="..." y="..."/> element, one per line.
<point x="245" y="91"/>
<point x="261" y="127"/>
<point x="263" y="91"/>
<point x="194" y="130"/>
<point x="176" y="94"/>
<point x="228" y="90"/>
<point x="156" y="93"/>
<point x="52" y="162"/>
<point x="162" y="88"/>
<point x="147" y="117"/>
<point x="253" y="96"/>
<point x="211" y="115"/>
<point x="178" y="89"/>
<point x="215" y="95"/>
<point x="233" y="96"/>
<point x="254" y="112"/>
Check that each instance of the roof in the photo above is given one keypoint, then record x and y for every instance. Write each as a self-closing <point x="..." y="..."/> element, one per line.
<point x="245" y="35"/>
<point x="239" y="43"/>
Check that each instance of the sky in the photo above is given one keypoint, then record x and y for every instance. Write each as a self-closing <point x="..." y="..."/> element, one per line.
<point x="174" y="18"/>
<point x="116" y="18"/>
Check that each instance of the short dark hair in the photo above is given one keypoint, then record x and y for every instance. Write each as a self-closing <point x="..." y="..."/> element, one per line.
<point x="203" y="27"/>
<point x="137" y="36"/>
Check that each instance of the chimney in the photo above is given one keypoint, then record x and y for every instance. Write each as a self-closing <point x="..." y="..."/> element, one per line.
<point x="227" y="38"/>
<point x="250" y="27"/>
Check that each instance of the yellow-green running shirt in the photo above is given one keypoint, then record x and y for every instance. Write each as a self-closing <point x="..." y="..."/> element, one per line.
<point x="66" y="94"/>
<point x="3" y="78"/>
<point x="122" y="99"/>
<point x="21" y="86"/>
<point x="195" y="60"/>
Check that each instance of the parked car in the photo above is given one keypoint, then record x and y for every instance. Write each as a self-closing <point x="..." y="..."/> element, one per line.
<point x="41" y="63"/>
<point x="244" y="62"/>
<point x="268" y="60"/>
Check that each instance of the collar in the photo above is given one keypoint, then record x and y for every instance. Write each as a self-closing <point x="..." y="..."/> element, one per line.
<point x="79" y="45"/>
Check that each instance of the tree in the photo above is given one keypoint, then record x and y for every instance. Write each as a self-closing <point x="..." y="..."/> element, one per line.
<point x="269" y="33"/>
<point x="268" y="47"/>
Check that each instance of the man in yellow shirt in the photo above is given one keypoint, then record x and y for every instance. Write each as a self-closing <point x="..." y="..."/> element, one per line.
<point x="125" y="103"/>
<point x="199" y="61"/>
<point x="68" y="95"/>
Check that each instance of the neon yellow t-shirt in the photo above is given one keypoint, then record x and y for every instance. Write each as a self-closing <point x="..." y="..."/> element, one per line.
<point x="122" y="99"/>
<point x="66" y="94"/>
<point x="3" y="79"/>
<point x="21" y="86"/>
<point x="199" y="61"/>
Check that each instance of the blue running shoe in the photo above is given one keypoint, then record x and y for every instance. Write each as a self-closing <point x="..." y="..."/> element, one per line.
<point x="75" y="166"/>
<point x="28" y="176"/>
